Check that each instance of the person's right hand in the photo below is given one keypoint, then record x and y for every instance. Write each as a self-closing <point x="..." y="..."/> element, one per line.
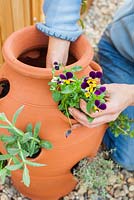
<point x="119" y="97"/>
<point x="58" y="50"/>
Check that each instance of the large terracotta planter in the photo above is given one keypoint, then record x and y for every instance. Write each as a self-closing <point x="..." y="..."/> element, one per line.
<point x="29" y="87"/>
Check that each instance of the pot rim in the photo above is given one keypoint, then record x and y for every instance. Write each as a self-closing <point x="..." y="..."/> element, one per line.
<point x="35" y="72"/>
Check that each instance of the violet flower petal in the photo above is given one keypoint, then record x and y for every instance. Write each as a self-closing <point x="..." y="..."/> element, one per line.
<point x="98" y="74"/>
<point x="102" y="106"/>
<point x="62" y="76"/>
<point x="97" y="102"/>
<point x="103" y="89"/>
<point x="56" y="67"/>
<point x="56" y="63"/>
<point x="69" y="75"/>
<point x="97" y="92"/>
<point x="84" y="85"/>
<point x="85" y="79"/>
<point x="92" y="74"/>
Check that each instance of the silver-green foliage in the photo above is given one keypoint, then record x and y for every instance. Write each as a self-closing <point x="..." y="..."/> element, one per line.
<point x="20" y="146"/>
<point x="95" y="174"/>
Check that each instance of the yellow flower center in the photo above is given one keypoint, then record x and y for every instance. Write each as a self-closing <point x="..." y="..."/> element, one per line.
<point x="87" y="94"/>
<point x="67" y="81"/>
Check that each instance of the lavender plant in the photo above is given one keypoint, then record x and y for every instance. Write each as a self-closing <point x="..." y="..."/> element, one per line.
<point x="20" y="147"/>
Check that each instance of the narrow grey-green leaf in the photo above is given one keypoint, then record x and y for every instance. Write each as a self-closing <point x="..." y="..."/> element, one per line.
<point x="34" y="164"/>
<point x="27" y="136"/>
<point x="3" y="174"/>
<point x="16" y="114"/>
<point x="37" y="129"/>
<point x="26" y="177"/>
<point x="16" y="160"/>
<point x="25" y="153"/>
<point x="3" y="117"/>
<point x="14" y="167"/>
<point x="6" y="138"/>
<point x="5" y="157"/>
<point x="4" y="126"/>
<point x="29" y="128"/>
<point x="12" y="150"/>
<point x="46" y="144"/>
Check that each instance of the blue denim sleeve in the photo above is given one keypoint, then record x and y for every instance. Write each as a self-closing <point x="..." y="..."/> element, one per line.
<point x="61" y="17"/>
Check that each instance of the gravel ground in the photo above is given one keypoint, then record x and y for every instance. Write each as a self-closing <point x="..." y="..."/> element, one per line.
<point x="100" y="14"/>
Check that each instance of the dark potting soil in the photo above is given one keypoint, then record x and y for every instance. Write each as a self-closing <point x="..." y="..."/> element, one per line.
<point x="37" y="57"/>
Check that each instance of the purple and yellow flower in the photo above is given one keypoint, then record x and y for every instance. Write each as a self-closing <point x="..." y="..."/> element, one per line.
<point x="89" y="83"/>
<point x="100" y="90"/>
<point x="94" y="74"/>
<point x="101" y="106"/>
<point x="67" y="78"/>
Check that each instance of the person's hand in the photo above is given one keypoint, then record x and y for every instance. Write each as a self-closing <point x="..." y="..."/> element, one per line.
<point x="58" y="50"/>
<point x="119" y="97"/>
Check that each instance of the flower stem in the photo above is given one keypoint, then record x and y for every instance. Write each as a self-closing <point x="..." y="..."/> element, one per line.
<point x="68" y="117"/>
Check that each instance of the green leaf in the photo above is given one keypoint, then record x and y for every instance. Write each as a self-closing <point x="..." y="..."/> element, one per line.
<point x="46" y="144"/>
<point x="14" y="167"/>
<point x="37" y="129"/>
<point x="81" y="23"/>
<point x="76" y="69"/>
<point x="29" y="128"/>
<point x="3" y="117"/>
<point x="56" y="96"/>
<point x="26" y="177"/>
<point x="16" y="114"/>
<point x="132" y="134"/>
<point x="67" y="90"/>
<point x="34" y="164"/>
<point x="27" y="136"/>
<point x="90" y="119"/>
<point x="89" y="106"/>
<point x="5" y="157"/>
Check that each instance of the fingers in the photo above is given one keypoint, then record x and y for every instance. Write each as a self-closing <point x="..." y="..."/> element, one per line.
<point x="79" y="116"/>
<point x="82" y="118"/>
<point x="74" y="126"/>
<point x="98" y="113"/>
<point x="83" y="107"/>
<point x="57" y="51"/>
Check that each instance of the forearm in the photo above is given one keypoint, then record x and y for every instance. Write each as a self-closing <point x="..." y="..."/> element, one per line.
<point x="61" y="19"/>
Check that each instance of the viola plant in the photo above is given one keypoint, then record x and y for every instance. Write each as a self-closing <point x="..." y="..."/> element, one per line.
<point x="20" y="147"/>
<point x="67" y="90"/>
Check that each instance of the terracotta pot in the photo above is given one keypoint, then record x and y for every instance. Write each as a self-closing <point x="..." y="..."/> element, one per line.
<point x="29" y="87"/>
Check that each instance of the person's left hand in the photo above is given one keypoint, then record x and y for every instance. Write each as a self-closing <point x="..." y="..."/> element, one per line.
<point x="119" y="97"/>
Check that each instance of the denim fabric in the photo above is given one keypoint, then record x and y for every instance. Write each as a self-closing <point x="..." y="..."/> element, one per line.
<point x="117" y="69"/>
<point x="121" y="30"/>
<point x="61" y="19"/>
